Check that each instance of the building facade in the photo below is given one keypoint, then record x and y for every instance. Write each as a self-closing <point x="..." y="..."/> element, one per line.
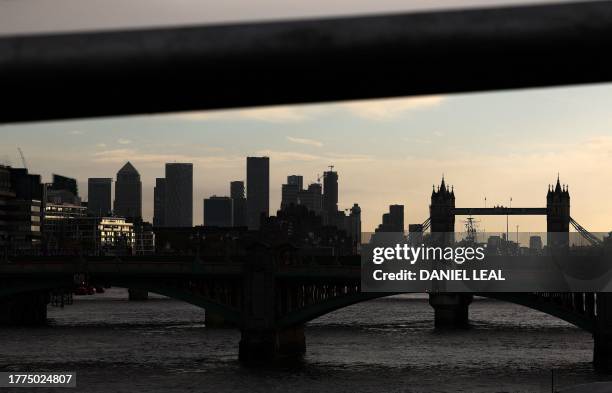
<point x="99" y="196"/>
<point x="258" y="190"/>
<point x="218" y="211"/>
<point x="238" y="204"/>
<point x="128" y="193"/>
<point x="159" y="202"/>
<point x="178" y="206"/>
<point x="22" y="200"/>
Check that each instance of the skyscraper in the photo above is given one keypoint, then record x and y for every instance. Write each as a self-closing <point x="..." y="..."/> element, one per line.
<point x="330" y="195"/>
<point x="392" y="221"/>
<point x="63" y="190"/>
<point x="258" y="190"/>
<point x="178" y="207"/>
<point x="312" y="198"/>
<point x="99" y="196"/>
<point x="128" y="192"/>
<point x="290" y="191"/>
<point x="297" y="180"/>
<point x="218" y="211"/>
<point x="238" y="204"/>
<point x="65" y="183"/>
<point x="159" y="201"/>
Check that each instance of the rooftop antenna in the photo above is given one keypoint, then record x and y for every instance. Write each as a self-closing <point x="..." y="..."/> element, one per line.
<point x="331" y="168"/>
<point x="23" y="160"/>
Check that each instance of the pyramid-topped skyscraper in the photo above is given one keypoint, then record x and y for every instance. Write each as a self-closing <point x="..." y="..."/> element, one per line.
<point x="128" y="193"/>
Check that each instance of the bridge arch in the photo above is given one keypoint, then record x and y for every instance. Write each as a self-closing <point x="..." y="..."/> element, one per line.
<point x="230" y="314"/>
<point x="528" y="300"/>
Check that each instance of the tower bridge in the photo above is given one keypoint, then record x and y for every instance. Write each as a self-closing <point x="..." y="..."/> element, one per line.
<point x="271" y="293"/>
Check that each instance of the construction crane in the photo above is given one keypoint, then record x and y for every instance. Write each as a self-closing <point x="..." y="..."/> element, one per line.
<point x="23" y="160"/>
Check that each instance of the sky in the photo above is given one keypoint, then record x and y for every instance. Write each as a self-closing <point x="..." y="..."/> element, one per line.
<point x="497" y="145"/>
<point x="488" y="145"/>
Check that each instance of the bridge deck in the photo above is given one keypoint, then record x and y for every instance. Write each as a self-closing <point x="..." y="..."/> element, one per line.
<point x="500" y="211"/>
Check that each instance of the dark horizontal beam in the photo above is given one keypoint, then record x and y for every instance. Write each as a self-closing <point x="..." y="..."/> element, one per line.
<point x="500" y="211"/>
<point x="90" y="74"/>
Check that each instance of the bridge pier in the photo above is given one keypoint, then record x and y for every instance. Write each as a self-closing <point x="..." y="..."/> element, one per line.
<point x="24" y="309"/>
<point x="138" y="294"/>
<point x="272" y="344"/>
<point x="602" y="334"/>
<point x="451" y="310"/>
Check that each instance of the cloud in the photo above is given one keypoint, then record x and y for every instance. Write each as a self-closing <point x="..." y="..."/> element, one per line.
<point x="282" y="156"/>
<point x="118" y="156"/>
<point x="123" y="141"/>
<point x="304" y="141"/>
<point x="388" y="109"/>
<point x="101" y="145"/>
<point x="276" y="156"/>
<point x="76" y="132"/>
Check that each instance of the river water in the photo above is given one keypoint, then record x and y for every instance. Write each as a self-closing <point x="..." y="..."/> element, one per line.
<point x="388" y="344"/>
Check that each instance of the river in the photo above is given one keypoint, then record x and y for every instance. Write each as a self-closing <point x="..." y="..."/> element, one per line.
<point x="389" y="344"/>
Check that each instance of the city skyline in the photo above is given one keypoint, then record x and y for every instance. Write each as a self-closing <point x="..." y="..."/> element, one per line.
<point x="494" y="145"/>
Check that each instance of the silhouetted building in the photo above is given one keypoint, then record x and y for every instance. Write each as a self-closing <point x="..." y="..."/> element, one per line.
<point x="296" y="180"/>
<point x="239" y="204"/>
<point x="159" y="202"/>
<point x="535" y="244"/>
<point x="258" y="190"/>
<point x="558" y="216"/>
<point x="312" y="198"/>
<point x="178" y="208"/>
<point x="128" y="193"/>
<point x="99" y="196"/>
<point x="144" y="238"/>
<point x="218" y="211"/>
<point x="354" y="226"/>
<point x="22" y="197"/>
<point x="65" y="183"/>
<point x="415" y="234"/>
<point x="392" y="221"/>
<point x="289" y="195"/>
<point x="330" y="195"/>
<point x="442" y="214"/>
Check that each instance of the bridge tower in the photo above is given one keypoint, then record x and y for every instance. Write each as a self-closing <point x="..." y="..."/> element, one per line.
<point x="558" y="216"/>
<point x="450" y="309"/>
<point x="441" y="213"/>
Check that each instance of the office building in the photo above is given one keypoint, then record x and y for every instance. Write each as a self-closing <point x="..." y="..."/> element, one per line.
<point x="296" y="180"/>
<point x="159" y="202"/>
<point x="258" y="190"/>
<point x="128" y="193"/>
<point x="22" y="199"/>
<point x="312" y="198"/>
<point x="99" y="196"/>
<point x="392" y="221"/>
<point x="330" y="195"/>
<point x="238" y="204"/>
<point x="218" y="211"/>
<point x="178" y="206"/>
<point x="89" y="236"/>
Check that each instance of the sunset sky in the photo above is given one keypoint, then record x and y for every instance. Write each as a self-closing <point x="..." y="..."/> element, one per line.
<point x="494" y="145"/>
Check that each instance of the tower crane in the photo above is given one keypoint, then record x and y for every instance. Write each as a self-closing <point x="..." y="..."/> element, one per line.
<point x="23" y="160"/>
